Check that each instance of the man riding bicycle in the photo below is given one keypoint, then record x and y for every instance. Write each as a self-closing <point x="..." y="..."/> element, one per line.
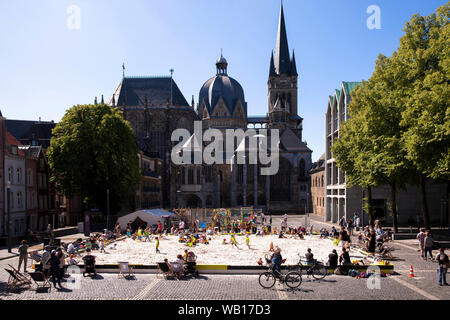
<point x="276" y="259"/>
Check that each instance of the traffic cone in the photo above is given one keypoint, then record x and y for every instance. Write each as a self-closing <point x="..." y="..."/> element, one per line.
<point x="411" y="273"/>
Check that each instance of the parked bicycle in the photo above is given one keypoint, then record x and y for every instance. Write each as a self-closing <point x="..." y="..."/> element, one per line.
<point x="267" y="279"/>
<point x="317" y="269"/>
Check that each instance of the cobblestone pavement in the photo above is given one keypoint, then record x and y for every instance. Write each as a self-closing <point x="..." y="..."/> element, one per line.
<point x="246" y="287"/>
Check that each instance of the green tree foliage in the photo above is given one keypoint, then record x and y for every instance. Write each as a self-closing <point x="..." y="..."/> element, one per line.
<point x="424" y="62"/>
<point x="399" y="126"/>
<point x="93" y="149"/>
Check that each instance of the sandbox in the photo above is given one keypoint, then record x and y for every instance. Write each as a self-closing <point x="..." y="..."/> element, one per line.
<point x="216" y="253"/>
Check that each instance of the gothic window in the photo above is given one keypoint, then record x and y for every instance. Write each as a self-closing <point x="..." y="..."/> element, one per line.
<point x="199" y="181"/>
<point x="190" y="176"/>
<point x="240" y="174"/>
<point x="301" y="168"/>
<point x="182" y="175"/>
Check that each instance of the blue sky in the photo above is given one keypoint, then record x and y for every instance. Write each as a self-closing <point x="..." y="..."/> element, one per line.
<point x="47" y="67"/>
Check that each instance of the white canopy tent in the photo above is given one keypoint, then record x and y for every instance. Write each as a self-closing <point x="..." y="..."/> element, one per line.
<point x="151" y="216"/>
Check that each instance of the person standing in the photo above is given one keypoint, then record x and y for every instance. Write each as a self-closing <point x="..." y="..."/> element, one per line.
<point x="443" y="261"/>
<point x="157" y="244"/>
<point x="54" y="269"/>
<point x="263" y="218"/>
<point x="23" y="255"/>
<point x="181" y="226"/>
<point x="357" y="223"/>
<point x="372" y="241"/>
<point x="350" y="227"/>
<point x="344" y="238"/>
<point x="421" y="238"/>
<point x="428" y="244"/>
<point x="342" y="222"/>
<point x="45" y="259"/>
<point x="62" y="262"/>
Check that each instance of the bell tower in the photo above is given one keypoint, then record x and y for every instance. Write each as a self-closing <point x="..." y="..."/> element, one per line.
<point x="282" y="83"/>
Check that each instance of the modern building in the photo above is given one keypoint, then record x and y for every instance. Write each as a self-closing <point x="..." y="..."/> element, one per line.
<point x="317" y="182"/>
<point x="343" y="201"/>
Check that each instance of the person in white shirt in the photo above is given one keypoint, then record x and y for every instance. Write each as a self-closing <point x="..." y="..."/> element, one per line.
<point x="181" y="226"/>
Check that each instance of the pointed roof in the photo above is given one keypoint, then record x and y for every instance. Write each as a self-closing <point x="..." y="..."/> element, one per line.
<point x="349" y="86"/>
<point x="282" y="61"/>
<point x="291" y="142"/>
<point x="132" y="91"/>
<point x="272" y="71"/>
<point x="293" y="65"/>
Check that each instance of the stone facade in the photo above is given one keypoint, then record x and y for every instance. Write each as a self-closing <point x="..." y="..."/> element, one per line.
<point x="317" y="182"/>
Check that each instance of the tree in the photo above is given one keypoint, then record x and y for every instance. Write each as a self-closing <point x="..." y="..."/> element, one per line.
<point x="93" y="149"/>
<point x="424" y="60"/>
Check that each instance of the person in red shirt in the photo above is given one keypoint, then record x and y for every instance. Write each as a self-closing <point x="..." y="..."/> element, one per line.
<point x="160" y="227"/>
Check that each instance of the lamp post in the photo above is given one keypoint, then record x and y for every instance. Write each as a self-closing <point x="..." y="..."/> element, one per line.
<point x="8" y="196"/>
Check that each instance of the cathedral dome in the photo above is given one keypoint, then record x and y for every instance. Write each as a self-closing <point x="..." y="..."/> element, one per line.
<point x="222" y="87"/>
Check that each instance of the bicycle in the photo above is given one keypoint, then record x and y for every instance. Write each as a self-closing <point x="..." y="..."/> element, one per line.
<point x="267" y="279"/>
<point x="317" y="270"/>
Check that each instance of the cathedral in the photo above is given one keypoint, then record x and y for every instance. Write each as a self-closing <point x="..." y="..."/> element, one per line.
<point x="155" y="107"/>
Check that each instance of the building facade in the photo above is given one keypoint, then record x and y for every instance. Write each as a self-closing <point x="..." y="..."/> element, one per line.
<point x="149" y="194"/>
<point x="317" y="182"/>
<point x="342" y="201"/>
<point x="15" y="162"/>
<point x="222" y="106"/>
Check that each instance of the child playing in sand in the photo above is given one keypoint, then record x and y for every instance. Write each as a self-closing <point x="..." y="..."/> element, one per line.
<point x="139" y="233"/>
<point x="224" y="241"/>
<point x="247" y="240"/>
<point x="233" y="241"/>
<point x="102" y="244"/>
<point x="157" y="244"/>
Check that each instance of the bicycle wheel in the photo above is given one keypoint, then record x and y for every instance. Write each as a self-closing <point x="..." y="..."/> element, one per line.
<point x="293" y="279"/>
<point x="319" y="271"/>
<point x="267" y="280"/>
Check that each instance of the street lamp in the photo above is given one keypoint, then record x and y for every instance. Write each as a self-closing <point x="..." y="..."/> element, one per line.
<point x="8" y="196"/>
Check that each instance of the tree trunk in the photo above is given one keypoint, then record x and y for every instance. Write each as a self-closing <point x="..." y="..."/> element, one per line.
<point x="394" y="207"/>
<point x="369" y="206"/>
<point x="423" y="196"/>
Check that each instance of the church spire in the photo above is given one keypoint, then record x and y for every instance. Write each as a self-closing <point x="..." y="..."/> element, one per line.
<point x="272" y="71"/>
<point x="293" y="65"/>
<point x="282" y="63"/>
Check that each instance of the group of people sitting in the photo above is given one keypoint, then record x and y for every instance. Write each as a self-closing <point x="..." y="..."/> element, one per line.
<point x="95" y="242"/>
<point x="180" y="267"/>
<point x="193" y="239"/>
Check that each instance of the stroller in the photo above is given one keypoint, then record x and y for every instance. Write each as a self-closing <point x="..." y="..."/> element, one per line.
<point x="190" y="267"/>
<point x="89" y="265"/>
